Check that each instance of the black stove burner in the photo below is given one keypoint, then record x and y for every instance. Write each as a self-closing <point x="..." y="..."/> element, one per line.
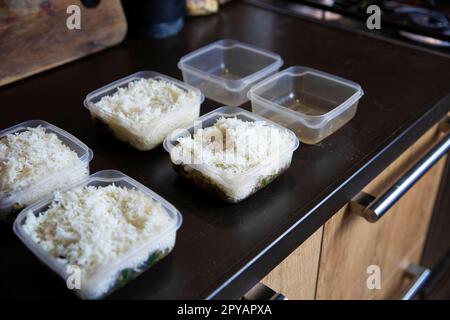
<point x="431" y="20"/>
<point x="428" y="20"/>
<point x="425" y="18"/>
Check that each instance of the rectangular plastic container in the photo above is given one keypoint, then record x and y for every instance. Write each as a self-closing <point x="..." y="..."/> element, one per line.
<point x="225" y="70"/>
<point x="120" y="272"/>
<point x="312" y="103"/>
<point x="237" y="187"/>
<point x="12" y="202"/>
<point x="153" y="134"/>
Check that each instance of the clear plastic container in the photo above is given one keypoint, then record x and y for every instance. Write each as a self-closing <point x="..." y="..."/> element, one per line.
<point x="312" y="103"/>
<point x="126" y="268"/>
<point x="231" y="188"/>
<point x="225" y="70"/>
<point x="152" y="134"/>
<point x="12" y="202"/>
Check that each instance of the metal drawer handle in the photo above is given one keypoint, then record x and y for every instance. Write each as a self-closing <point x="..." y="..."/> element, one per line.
<point x="372" y="209"/>
<point x="421" y="276"/>
<point x="263" y="292"/>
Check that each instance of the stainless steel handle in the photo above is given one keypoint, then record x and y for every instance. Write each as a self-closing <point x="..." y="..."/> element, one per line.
<point x="421" y="276"/>
<point x="263" y="292"/>
<point x="372" y="208"/>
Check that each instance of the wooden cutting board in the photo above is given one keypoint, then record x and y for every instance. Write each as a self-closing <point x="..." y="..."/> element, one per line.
<point x="34" y="35"/>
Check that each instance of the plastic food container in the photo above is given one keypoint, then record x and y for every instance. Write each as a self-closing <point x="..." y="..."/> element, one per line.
<point x="12" y="202"/>
<point x="225" y="70"/>
<point x="154" y="133"/>
<point x="126" y="268"/>
<point x="313" y="104"/>
<point x="231" y="188"/>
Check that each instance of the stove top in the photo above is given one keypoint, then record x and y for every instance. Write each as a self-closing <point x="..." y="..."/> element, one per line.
<point x="425" y="23"/>
<point x="429" y="19"/>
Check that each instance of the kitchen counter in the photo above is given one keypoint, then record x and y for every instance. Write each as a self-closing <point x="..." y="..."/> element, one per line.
<point x="224" y="249"/>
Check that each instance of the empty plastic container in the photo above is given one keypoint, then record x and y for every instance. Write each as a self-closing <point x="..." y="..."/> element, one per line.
<point x="12" y="202"/>
<point x="312" y="103"/>
<point x="126" y="267"/>
<point x="225" y="70"/>
<point x="232" y="187"/>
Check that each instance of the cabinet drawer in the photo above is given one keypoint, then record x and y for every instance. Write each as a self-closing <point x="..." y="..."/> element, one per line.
<point x="351" y="244"/>
<point x="398" y="281"/>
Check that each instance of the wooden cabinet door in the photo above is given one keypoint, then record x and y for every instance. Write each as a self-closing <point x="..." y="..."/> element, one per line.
<point x="296" y="276"/>
<point x="351" y="245"/>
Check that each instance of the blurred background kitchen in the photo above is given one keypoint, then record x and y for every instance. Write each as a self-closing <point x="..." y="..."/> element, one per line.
<point x="419" y="22"/>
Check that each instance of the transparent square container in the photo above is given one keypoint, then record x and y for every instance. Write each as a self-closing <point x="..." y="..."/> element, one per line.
<point x="12" y="202"/>
<point x="126" y="268"/>
<point x="225" y="70"/>
<point x="154" y="134"/>
<point x="312" y="103"/>
<point x="231" y="188"/>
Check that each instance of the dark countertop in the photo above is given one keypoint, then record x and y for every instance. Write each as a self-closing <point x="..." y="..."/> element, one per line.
<point x="223" y="249"/>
